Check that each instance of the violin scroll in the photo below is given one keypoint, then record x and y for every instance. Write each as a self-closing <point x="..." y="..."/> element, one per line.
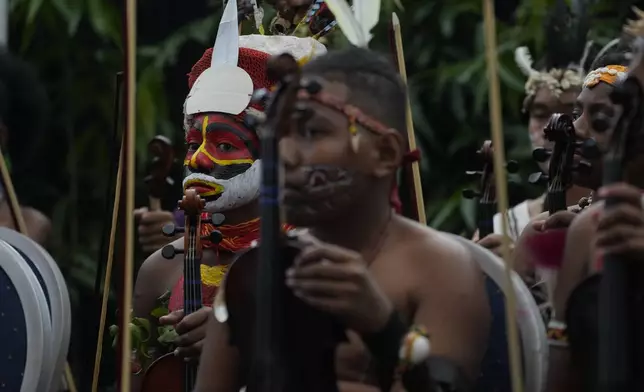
<point x="560" y="131"/>
<point x="192" y="204"/>
<point x="486" y="155"/>
<point x="487" y="190"/>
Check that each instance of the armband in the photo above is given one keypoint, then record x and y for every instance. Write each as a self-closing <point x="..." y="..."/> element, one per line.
<point x="396" y="350"/>
<point x="557" y="334"/>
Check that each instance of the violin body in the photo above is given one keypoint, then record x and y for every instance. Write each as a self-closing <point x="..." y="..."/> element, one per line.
<point x="165" y="374"/>
<point x="310" y="336"/>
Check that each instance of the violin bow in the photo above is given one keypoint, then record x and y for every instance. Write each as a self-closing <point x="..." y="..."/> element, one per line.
<point x="411" y="135"/>
<point x="125" y="339"/>
<point x="21" y="226"/>
<point x="112" y="240"/>
<point x="489" y="25"/>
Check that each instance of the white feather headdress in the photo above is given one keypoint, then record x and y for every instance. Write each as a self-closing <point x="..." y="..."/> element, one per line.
<point x="224" y="87"/>
<point x="356" y="24"/>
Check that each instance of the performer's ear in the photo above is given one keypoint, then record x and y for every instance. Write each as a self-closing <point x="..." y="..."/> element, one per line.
<point x="387" y="153"/>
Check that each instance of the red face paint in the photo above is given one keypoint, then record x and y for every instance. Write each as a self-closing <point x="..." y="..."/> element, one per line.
<point x="216" y="139"/>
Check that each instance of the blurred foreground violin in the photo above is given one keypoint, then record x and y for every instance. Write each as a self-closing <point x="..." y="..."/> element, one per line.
<point x="285" y="345"/>
<point x="617" y="310"/>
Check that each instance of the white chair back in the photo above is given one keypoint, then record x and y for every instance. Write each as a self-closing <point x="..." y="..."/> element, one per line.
<point x="25" y="325"/>
<point x="57" y="294"/>
<point x="532" y="331"/>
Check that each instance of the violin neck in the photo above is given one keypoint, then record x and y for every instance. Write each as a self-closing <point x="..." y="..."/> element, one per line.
<point x="556" y="201"/>
<point x="192" y="300"/>
<point x="485" y="217"/>
<point x="269" y="342"/>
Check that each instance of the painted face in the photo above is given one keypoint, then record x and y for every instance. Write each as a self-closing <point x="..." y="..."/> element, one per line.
<point x="543" y="106"/>
<point x="323" y="176"/>
<point x="593" y="100"/>
<point x="222" y="161"/>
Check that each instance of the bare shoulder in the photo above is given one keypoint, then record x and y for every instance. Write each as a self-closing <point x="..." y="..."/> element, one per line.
<point x="157" y="273"/>
<point x="158" y="266"/>
<point x="38" y="225"/>
<point x="435" y="253"/>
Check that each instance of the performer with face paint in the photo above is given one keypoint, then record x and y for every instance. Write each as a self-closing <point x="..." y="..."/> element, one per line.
<point x="361" y="262"/>
<point x="222" y="164"/>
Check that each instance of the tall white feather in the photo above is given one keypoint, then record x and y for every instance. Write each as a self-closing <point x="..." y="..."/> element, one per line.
<point x="524" y="61"/>
<point x="367" y="13"/>
<point x="226" y="49"/>
<point x="348" y="23"/>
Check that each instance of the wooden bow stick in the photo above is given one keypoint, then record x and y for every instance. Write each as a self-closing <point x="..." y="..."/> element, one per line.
<point x="129" y="168"/>
<point x="411" y="135"/>
<point x="21" y="226"/>
<point x="502" y="190"/>
<point x="112" y="238"/>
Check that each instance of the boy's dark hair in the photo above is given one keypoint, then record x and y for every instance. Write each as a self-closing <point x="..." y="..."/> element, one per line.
<point x="374" y="83"/>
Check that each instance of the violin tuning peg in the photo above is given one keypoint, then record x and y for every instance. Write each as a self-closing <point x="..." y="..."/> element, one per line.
<point x="215" y="237"/>
<point x="473" y="173"/>
<point x="541" y="154"/>
<point x="169" y="251"/>
<point x="260" y="96"/>
<point x="170" y="230"/>
<point x="589" y="149"/>
<point x="512" y="166"/>
<point x="217" y="219"/>
<point x="537" y="178"/>
<point x="311" y="86"/>
<point x="470" y="194"/>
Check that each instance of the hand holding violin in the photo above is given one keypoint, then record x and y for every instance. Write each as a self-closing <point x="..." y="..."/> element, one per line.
<point x="558" y="220"/>
<point x="191" y="330"/>
<point x="337" y="281"/>
<point x="620" y="229"/>
<point x="493" y="243"/>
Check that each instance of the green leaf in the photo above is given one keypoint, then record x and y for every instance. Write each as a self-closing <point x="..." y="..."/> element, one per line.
<point x="159" y="312"/>
<point x="34" y="7"/>
<point x="136" y="332"/>
<point x="72" y="11"/>
<point x="167" y="335"/>
<point x="105" y="19"/>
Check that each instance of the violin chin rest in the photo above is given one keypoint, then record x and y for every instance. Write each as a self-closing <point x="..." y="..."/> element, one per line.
<point x="219" y="306"/>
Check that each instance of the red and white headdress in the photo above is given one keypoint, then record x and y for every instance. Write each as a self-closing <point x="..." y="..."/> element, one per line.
<point x="225" y="77"/>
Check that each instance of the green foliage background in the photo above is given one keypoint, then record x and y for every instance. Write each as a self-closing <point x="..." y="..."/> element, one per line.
<point x="77" y="47"/>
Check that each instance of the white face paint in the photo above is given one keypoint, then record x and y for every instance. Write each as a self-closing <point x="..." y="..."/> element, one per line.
<point x="237" y="191"/>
